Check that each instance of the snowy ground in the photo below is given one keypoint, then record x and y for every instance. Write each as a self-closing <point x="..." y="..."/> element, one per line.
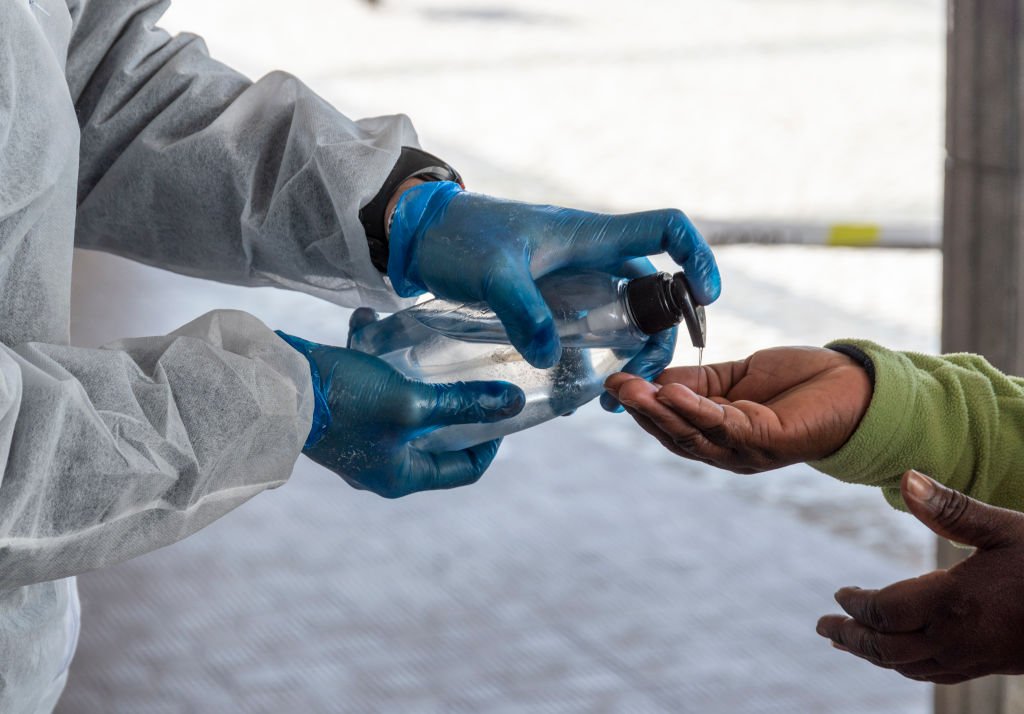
<point x="590" y="570"/>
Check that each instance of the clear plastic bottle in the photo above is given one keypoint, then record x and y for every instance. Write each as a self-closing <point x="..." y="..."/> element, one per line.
<point x="602" y="321"/>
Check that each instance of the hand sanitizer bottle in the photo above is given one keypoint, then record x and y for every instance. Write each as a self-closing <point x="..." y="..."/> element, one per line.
<point x="603" y="321"/>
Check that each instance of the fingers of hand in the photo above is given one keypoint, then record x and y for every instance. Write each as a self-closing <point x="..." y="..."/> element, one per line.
<point x="468" y="402"/>
<point x="884" y="650"/>
<point x="654" y="357"/>
<point x="612" y="386"/>
<point x="715" y="380"/>
<point x="687" y="247"/>
<point x="615" y="382"/>
<point x="691" y="377"/>
<point x="670" y="231"/>
<point x="930" y="670"/>
<point x="429" y="471"/>
<point x="674" y="432"/>
<point x="610" y="398"/>
<point x="517" y="302"/>
<point x="902" y="607"/>
<point x="611" y="404"/>
<point x="737" y="436"/>
<point x="713" y="419"/>
<point x="461" y="468"/>
<point x="690" y="420"/>
<point x="668" y="442"/>
<point x="955" y="516"/>
<point x="362" y="317"/>
<point x="642" y="396"/>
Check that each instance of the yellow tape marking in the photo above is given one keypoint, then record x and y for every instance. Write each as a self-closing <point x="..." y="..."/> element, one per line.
<point x="854" y="234"/>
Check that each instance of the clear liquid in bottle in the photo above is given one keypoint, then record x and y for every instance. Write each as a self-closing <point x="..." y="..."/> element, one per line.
<point x="441" y="341"/>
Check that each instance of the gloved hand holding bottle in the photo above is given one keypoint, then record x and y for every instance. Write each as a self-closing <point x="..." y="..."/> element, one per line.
<point x="367" y="414"/>
<point x="657" y="354"/>
<point x="466" y="246"/>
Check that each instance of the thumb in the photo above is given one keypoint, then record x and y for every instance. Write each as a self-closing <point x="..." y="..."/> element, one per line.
<point x="956" y="517"/>
<point x="362" y="317"/>
<point x="470" y="402"/>
<point x="687" y="246"/>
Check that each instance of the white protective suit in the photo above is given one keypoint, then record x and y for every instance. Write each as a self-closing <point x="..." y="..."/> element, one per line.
<point x="174" y="160"/>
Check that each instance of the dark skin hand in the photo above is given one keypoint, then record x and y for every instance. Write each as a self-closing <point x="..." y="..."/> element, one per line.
<point x="777" y="407"/>
<point x="789" y="405"/>
<point x="950" y="625"/>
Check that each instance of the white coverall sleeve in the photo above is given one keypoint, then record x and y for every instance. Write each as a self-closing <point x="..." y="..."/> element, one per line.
<point x="189" y="166"/>
<point x="110" y="453"/>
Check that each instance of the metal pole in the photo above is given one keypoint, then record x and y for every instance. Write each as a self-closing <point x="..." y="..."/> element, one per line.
<point x="983" y="260"/>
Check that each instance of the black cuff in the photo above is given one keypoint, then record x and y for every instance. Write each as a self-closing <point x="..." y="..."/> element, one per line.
<point x="858" y="356"/>
<point x="412" y="163"/>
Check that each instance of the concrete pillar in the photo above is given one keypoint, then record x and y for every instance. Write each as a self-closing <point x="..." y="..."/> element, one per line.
<point x="983" y="276"/>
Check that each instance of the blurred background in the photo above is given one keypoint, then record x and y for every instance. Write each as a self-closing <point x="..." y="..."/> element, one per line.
<point x="590" y="570"/>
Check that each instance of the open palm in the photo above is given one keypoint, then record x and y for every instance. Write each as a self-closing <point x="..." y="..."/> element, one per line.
<point x="777" y="407"/>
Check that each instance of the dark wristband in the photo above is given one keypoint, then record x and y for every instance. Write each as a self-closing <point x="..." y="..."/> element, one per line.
<point x="412" y="163"/>
<point x="858" y="356"/>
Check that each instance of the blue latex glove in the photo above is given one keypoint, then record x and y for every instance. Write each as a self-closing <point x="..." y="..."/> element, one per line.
<point x="366" y="414"/>
<point x="470" y="247"/>
<point x="656" y="356"/>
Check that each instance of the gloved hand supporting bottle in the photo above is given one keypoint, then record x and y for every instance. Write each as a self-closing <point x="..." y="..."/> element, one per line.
<point x="657" y="355"/>
<point x="470" y="247"/>
<point x="366" y="414"/>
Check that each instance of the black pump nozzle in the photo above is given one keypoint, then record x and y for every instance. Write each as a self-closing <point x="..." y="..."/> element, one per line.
<point x="660" y="301"/>
<point x="693" y="313"/>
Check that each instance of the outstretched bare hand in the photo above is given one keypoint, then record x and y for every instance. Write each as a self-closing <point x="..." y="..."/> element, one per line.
<point x="950" y="625"/>
<point x="777" y="407"/>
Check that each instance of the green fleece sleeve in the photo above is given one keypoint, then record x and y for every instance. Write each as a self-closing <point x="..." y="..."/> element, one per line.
<point x="955" y="418"/>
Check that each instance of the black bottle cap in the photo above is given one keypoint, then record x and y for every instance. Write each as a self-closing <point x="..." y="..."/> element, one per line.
<point x="660" y="301"/>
